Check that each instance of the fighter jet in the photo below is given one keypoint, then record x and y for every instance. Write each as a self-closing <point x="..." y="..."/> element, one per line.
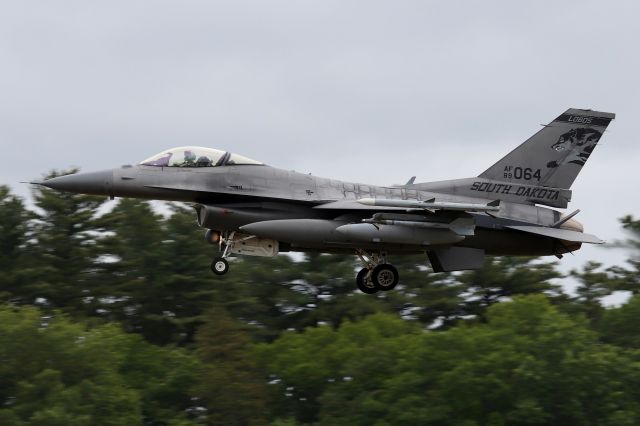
<point x="250" y="208"/>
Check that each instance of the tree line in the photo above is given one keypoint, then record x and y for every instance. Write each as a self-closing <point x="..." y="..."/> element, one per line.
<point x="112" y="316"/>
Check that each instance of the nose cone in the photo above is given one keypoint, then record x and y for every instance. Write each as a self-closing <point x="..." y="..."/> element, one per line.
<point x="94" y="183"/>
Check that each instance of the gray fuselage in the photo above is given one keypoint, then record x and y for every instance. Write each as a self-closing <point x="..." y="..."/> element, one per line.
<point x="230" y="197"/>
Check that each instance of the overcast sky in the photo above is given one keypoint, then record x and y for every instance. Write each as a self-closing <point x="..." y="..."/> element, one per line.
<point x="365" y="91"/>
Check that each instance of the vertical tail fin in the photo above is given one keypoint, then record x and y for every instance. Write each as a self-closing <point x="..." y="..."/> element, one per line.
<point x="554" y="156"/>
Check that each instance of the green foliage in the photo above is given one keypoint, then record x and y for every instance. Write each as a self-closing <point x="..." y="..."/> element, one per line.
<point x="155" y="278"/>
<point x="627" y="278"/>
<point x="503" y="277"/>
<point x="57" y="372"/>
<point x="523" y="366"/>
<point x="230" y="385"/>
<point x="304" y="366"/>
<point x="621" y="326"/>
<point x="593" y="286"/>
<point x="14" y="235"/>
<point x="281" y="293"/>
<point x="428" y="297"/>
<point x="64" y="250"/>
<point x="632" y="225"/>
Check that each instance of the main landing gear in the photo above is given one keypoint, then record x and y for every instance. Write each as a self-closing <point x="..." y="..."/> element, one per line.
<point x="377" y="274"/>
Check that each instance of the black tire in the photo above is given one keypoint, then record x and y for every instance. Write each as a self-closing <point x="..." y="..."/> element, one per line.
<point x="364" y="285"/>
<point x="219" y="266"/>
<point x="385" y="277"/>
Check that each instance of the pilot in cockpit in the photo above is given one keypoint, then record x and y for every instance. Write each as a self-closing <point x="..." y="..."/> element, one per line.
<point x="189" y="159"/>
<point x="197" y="156"/>
<point x="203" y="161"/>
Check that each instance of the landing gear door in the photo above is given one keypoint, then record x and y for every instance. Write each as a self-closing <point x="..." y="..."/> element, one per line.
<point x="250" y="245"/>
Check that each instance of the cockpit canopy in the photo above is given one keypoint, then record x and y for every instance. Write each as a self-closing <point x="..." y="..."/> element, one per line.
<point x="196" y="156"/>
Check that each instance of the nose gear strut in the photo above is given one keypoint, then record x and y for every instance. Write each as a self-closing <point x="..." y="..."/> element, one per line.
<point x="219" y="265"/>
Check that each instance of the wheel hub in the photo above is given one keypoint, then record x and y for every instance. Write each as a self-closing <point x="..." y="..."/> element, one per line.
<point x="385" y="278"/>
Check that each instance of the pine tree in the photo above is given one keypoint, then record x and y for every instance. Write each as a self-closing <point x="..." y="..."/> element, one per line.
<point x="502" y="278"/>
<point x="14" y="249"/>
<point x="627" y="278"/>
<point x="230" y="386"/>
<point x="64" y="251"/>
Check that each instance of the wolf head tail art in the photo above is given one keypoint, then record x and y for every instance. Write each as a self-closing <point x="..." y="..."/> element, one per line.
<point x="580" y="141"/>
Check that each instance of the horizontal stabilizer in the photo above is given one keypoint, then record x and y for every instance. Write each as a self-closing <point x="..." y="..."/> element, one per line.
<point x="561" y="234"/>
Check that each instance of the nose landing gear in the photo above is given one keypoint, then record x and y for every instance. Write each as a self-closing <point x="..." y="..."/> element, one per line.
<point x="225" y="240"/>
<point x="377" y="274"/>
